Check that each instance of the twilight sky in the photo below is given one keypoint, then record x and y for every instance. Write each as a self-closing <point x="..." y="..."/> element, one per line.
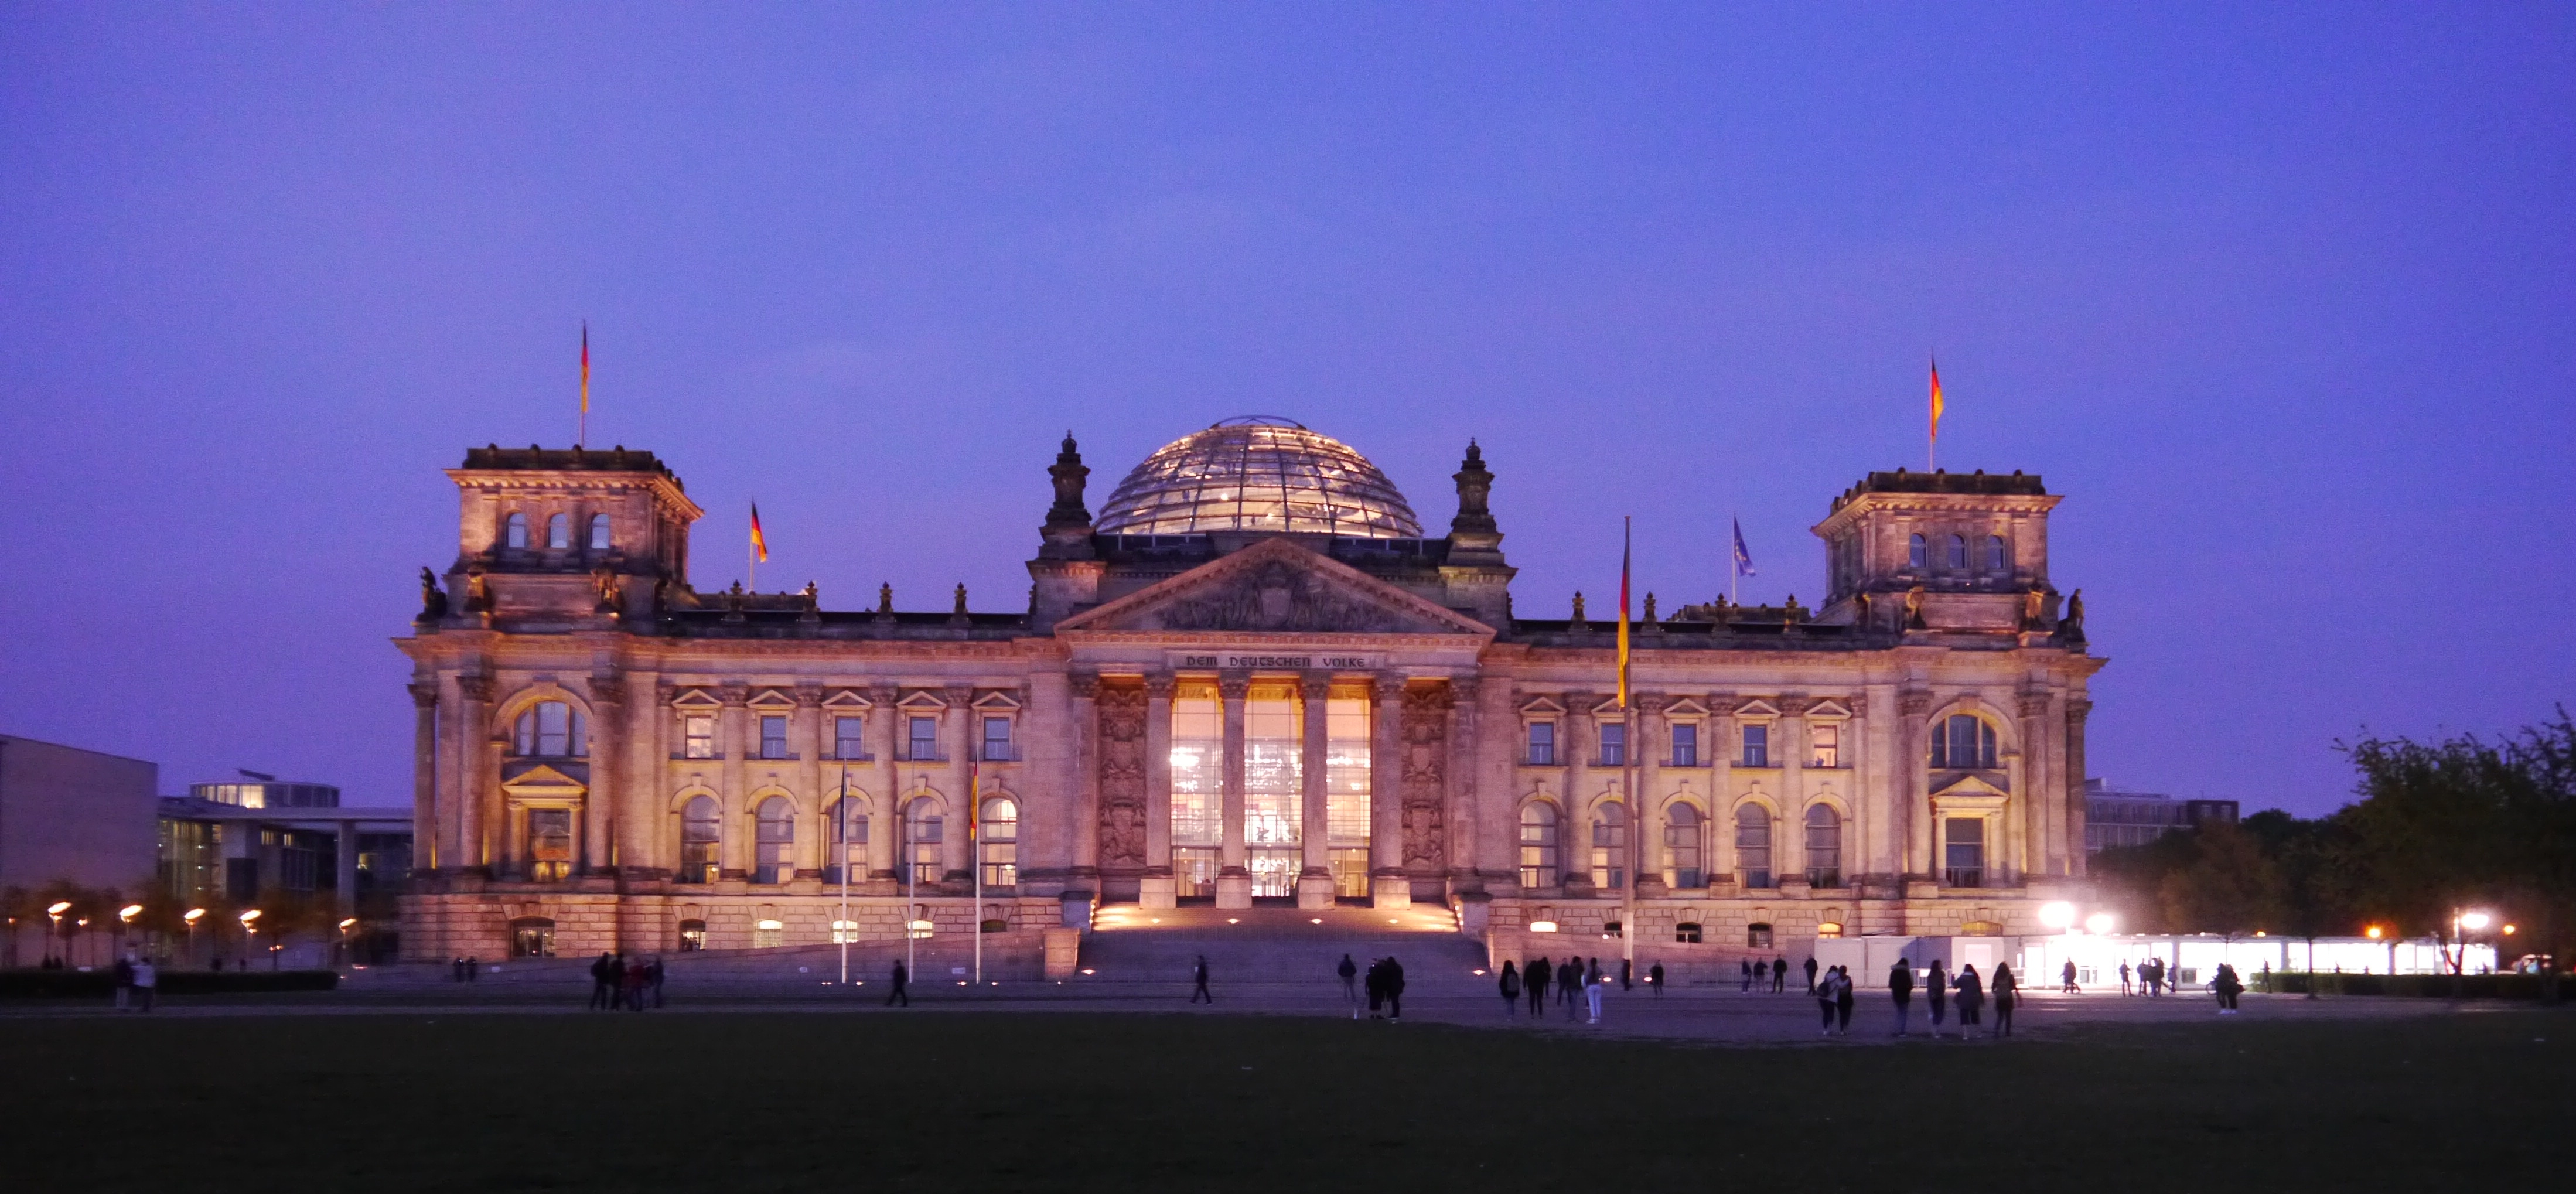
<point x="2283" y="300"/>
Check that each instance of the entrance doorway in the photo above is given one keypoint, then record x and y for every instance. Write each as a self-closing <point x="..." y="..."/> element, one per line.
<point x="1274" y="872"/>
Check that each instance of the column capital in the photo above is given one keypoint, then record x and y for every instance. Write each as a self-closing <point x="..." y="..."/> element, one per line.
<point x="1466" y="687"/>
<point x="883" y="696"/>
<point x="734" y="695"/>
<point x="1387" y="685"/>
<point x="1085" y="684"/>
<point x="1914" y="702"/>
<point x="958" y="696"/>
<point x="1653" y="704"/>
<point x="474" y="688"/>
<point x="1315" y="687"/>
<point x="2033" y="704"/>
<point x="1234" y="686"/>
<point x="808" y="695"/>
<point x="424" y="694"/>
<point x="2078" y="708"/>
<point x="1159" y="685"/>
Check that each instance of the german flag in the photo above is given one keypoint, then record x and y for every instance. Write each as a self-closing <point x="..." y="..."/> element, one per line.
<point x="759" y="542"/>
<point x="1624" y="544"/>
<point x="1936" y="401"/>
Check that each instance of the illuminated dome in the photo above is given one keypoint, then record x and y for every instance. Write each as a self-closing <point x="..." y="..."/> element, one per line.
<point x="1258" y="474"/>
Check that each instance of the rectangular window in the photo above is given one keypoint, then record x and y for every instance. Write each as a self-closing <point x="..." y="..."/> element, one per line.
<point x="1198" y="768"/>
<point x="1685" y="744"/>
<point x="1346" y="773"/>
<point x="1825" y="745"/>
<point x="922" y="735"/>
<point x="1963" y="856"/>
<point x="997" y="740"/>
<point x="1757" y="746"/>
<point x="1614" y="744"/>
<point x="1274" y="771"/>
<point x="698" y="732"/>
<point x="849" y="738"/>
<point x="773" y="736"/>
<point x="1542" y="744"/>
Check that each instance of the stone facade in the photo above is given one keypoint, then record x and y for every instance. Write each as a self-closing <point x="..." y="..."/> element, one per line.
<point x="1234" y="713"/>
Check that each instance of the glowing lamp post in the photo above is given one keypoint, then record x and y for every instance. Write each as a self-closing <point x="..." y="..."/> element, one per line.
<point x="250" y="928"/>
<point x="191" y="917"/>
<point x="2099" y="924"/>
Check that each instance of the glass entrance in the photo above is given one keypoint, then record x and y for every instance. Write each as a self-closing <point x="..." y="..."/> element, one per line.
<point x="1274" y="872"/>
<point x="1193" y="871"/>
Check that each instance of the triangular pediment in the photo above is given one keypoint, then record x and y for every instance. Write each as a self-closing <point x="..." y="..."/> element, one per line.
<point x="696" y="698"/>
<point x="1757" y="709"/>
<point x="845" y="699"/>
<point x="995" y="702"/>
<point x="772" y="699"/>
<point x="542" y="780"/>
<point x="1275" y="586"/>
<point x="921" y="701"/>
<point x="1828" y="707"/>
<point x="1542" y="707"/>
<point x="1967" y="786"/>
<point x="1686" y="707"/>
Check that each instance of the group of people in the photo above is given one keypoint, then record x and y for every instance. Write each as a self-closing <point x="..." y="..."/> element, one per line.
<point x="463" y="970"/>
<point x="1755" y="972"/>
<point x="618" y="984"/>
<point x="1568" y="977"/>
<point x="137" y="980"/>
<point x="1384" y="983"/>
<point x="2153" y="978"/>
<point x="1940" y="990"/>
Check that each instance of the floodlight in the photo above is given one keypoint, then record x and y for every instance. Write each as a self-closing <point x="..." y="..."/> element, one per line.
<point x="2057" y="914"/>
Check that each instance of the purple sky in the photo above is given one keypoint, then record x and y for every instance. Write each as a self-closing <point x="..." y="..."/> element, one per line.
<point x="2281" y="300"/>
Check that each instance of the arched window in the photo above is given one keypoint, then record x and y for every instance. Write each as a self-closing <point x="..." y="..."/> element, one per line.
<point x="1000" y="830"/>
<point x="1683" y="833"/>
<point x="701" y="829"/>
<point x="559" y="532"/>
<point x="1998" y="556"/>
<point x="849" y="836"/>
<point x="1610" y="847"/>
<point x="693" y="936"/>
<point x="774" y="841"/>
<point x="550" y="730"/>
<point x="922" y="834"/>
<point x="1538" y="844"/>
<point x="1958" y="553"/>
<point x="1962" y="742"/>
<point x="1915" y="554"/>
<point x="599" y="532"/>
<point x="1757" y="935"/>
<point x="514" y="531"/>
<point x="1753" y="845"/>
<point x="1824" y="847"/>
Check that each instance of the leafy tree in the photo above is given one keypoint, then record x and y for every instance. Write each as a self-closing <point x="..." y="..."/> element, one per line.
<point x="2228" y="887"/>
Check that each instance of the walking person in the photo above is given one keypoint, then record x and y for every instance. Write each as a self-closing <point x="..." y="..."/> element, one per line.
<point x="618" y="983"/>
<point x="1746" y="972"/>
<point x="124" y="982"/>
<point x="1593" y="981"/>
<point x="1842" y="1001"/>
<point x="1936" y="994"/>
<point x="1900" y="990"/>
<point x="2007" y="991"/>
<point x="1394" y="989"/>
<point x="1811" y="976"/>
<point x="1655" y="979"/>
<point x="1198" y="977"/>
<point x="1511" y="986"/>
<point x="1569" y="981"/>
<point x="902" y="979"/>
<point x="636" y="978"/>
<point x="2124" y="976"/>
<point x="600" y="982"/>
<point x="1627" y="969"/>
<point x="1779" y="975"/>
<point x="654" y="976"/>
<point x="1824" y="996"/>
<point x="1377" y="987"/>
<point x="1535" y="976"/>
<point x="147" y="981"/>
<point x="2228" y="986"/>
<point x="1350" y="970"/>
<point x="1972" y="997"/>
<point x="2068" y="975"/>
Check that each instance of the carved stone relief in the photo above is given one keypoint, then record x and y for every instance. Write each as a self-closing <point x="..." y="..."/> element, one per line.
<point x="1276" y="597"/>
<point x="1122" y="775"/>
<point x="1424" y="729"/>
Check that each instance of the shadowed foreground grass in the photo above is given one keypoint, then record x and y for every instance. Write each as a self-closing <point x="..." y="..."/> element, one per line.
<point x="1072" y="1101"/>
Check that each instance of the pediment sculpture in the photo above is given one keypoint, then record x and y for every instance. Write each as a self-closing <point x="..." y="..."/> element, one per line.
<point x="1277" y="597"/>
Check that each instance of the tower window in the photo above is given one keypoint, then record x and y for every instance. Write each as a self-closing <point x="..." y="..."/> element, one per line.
<point x="559" y="532"/>
<point x="514" y="532"/>
<point x="1915" y="553"/>
<point x="1963" y="741"/>
<point x="1998" y="556"/>
<point x="599" y="532"/>
<point x="1825" y="745"/>
<point x="550" y="730"/>
<point x="924" y="739"/>
<point x="1959" y="553"/>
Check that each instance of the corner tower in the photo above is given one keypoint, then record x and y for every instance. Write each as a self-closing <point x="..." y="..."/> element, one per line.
<point x="562" y="537"/>
<point x="1940" y="551"/>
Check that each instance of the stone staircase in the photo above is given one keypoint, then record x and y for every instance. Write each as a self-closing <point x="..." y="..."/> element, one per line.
<point x="1267" y="945"/>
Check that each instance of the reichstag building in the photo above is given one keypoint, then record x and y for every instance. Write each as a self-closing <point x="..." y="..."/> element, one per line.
<point x="1252" y="677"/>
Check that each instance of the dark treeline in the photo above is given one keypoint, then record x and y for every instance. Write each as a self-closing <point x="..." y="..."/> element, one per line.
<point x="2441" y="826"/>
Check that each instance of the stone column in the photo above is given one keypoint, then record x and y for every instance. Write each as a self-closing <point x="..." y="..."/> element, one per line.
<point x="1582" y="742"/>
<point x="1233" y="878"/>
<point x="1497" y="800"/>
<point x="734" y="740"/>
<point x="424" y="773"/>
<point x="957" y="853"/>
<point x="1911" y="771"/>
<point x="1645" y="812"/>
<point x="1049" y="782"/>
<point x="1085" y="872"/>
<point x="885" y="826"/>
<point x="474" y="758"/>
<point x="2077" y="709"/>
<point x="805" y="741"/>
<point x="1315" y="875"/>
<point x="1155" y="889"/>
<point x="1466" y="865"/>
<point x="599" y="803"/>
<point x="1722" y="752"/>
<point x="1387" y="882"/>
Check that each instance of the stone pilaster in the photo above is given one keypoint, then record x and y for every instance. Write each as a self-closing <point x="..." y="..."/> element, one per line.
<point x="1646" y="813"/>
<point x="735" y="741"/>
<point x="887" y="830"/>
<point x="475" y="779"/>
<point x="1465" y="866"/>
<point x="1315" y="873"/>
<point x="424" y="773"/>
<point x="2077" y="710"/>
<point x="599" y="804"/>
<point x="1233" y="878"/>
<point x="957" y="849"/>
<point x="1386" y="793"/>
<point x="1084" y="689"/>
<point x="805" y="741"/>
<point x="1912" y="770"/>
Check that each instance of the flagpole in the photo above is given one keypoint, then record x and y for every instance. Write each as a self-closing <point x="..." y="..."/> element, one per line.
<point x="841" y="833"/>
<point x="1628" y="759"/>
<point x="975" y="856"/>
<point x="581" y="438"/>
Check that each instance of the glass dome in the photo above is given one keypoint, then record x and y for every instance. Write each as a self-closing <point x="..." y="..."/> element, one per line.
<point x="1258" y="474"/>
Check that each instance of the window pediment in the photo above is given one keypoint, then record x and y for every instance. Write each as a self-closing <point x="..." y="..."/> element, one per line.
<point x="541" y="781"/>
<point x="1686" y="707"/>
<point x="1757" y="709"/>
<point x="922" y="701"/>
<point x="1542" y="707"/>
<point x="996" y="702"/>
<point x="772" y="700"/>
<point x="846" y="700"/>
<point x="696" y="699"/>
<point x="1828" y="708"/>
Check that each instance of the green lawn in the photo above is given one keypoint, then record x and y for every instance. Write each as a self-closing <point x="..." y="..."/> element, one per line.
<point x="945" y="1101"/>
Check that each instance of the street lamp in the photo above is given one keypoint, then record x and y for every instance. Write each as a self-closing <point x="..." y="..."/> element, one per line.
<point x="2099" y="924"/>
<point x="2057" y="914"/>
<point x="192" y="916"/>
<point x="54" y="912"/>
